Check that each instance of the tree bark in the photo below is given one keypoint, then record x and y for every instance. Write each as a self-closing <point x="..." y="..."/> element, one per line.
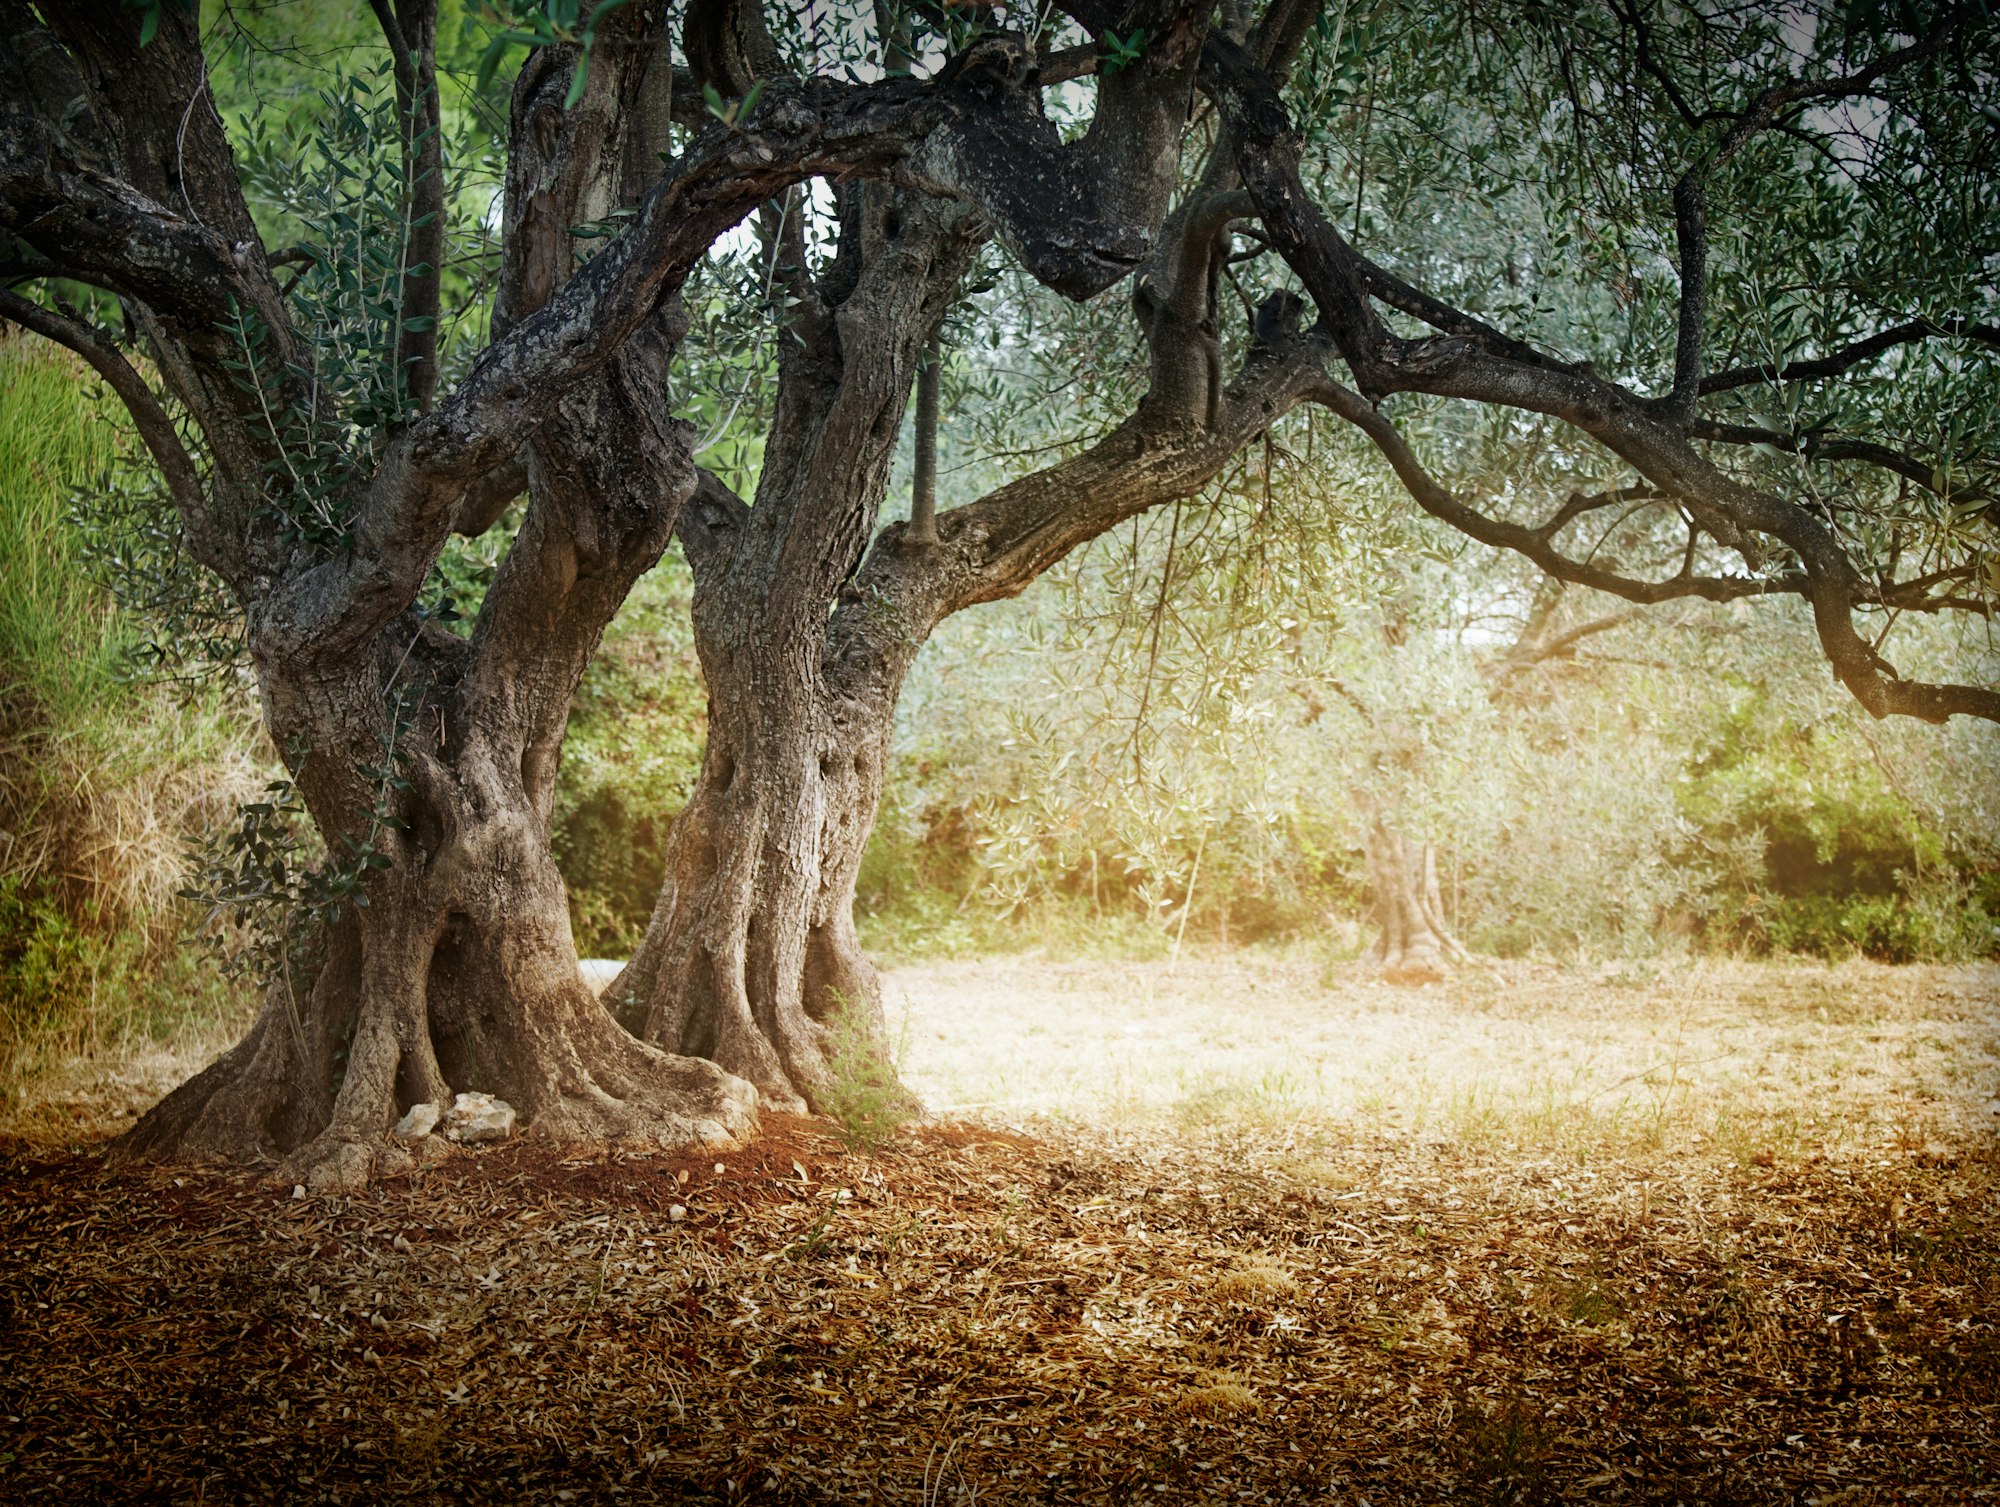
<point x="1414" y="943"/>
<point x="751" y="956"/>
<point x="460" y="972"/>
<point x="431" y="758"/>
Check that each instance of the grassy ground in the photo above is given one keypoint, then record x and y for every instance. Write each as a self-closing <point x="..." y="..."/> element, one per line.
<point x="1744" y="1062"/>
<point x="1220" y="1232"/>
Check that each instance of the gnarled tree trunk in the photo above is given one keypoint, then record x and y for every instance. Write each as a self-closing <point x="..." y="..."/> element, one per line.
<point x="460" y="973"/>
<point x="751" y="959"/>
<point x="1413" y="941"/>
<point x="751" y="955"/>
<point x="428" y="759"/>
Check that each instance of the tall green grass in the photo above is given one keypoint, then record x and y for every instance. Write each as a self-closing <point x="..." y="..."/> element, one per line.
<point x="59" y="643"/>
<point x="103" y="779"/>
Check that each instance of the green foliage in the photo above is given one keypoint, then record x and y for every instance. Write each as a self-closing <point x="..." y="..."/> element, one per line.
<point x="149" y="15"/>
<point x="176" y="620"/>
<point x="345" y="198"/>
<point x="1121" y="53"/>
<point x="545" y="23"/>
<point x="1814" y="849"/>
<point x="630" y="760"/>
<point x="101" y="777"/>
<point x="863" y="1093"/>
<point x="59" y="652"/>
<point x="77" y="981"/>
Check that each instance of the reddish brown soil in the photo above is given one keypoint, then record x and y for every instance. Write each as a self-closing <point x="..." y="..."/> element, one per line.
<point x="974" y="1315"/>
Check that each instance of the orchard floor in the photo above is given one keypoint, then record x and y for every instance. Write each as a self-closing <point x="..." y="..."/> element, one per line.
<point x="1225" y="1232"/>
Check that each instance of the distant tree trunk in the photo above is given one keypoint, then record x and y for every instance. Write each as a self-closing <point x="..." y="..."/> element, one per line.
<point x="1413" y="942"/>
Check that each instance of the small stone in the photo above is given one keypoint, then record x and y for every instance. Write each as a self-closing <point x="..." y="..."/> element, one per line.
<point x="599" y="972"/>
<point x="298" y="1190"/>
<point x="418" y="1123"/>
<point x="676" y="1213"/>
<point x="476" y="1117"/>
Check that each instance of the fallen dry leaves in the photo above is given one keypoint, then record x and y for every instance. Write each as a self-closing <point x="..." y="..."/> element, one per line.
<point x="977" y="1315"/>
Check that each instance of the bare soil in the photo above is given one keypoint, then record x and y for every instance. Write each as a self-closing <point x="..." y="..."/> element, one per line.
<point x="1767" y="1269"/>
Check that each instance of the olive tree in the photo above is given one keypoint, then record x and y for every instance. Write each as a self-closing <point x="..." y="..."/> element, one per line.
<point x="1638" y="423"/>
<point x="426" y="756"/>
<point x="322" y="487"/>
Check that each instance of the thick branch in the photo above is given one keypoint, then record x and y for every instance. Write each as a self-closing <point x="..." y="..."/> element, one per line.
<point x="410" y="28"/>
<point x="1691" y="236"/>
<point x="995" y="547"/>
<point x="1828" y="581"/>
<point x="923" y="480"/>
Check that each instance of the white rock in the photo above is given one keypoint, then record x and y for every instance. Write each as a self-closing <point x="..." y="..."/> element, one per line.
<point x="479" y="1117"/>
<point x="599" y="972"/>
<point x="418" y="1123"/>
<point x="676" y="1213"/>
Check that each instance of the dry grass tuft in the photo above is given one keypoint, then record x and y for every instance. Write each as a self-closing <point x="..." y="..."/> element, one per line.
<point x="1219" y="1395"/>
<point x="1255" y="1281"/>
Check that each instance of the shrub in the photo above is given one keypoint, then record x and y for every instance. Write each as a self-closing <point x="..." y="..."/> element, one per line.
<point x="104" y="778"/>
<point x="84" y="984"/>
<point x="864" y="1094"/>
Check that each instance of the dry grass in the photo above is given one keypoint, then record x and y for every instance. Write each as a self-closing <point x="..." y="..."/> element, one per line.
<point x="1306" y="1298"/>
<point x="1753" y="1062"/>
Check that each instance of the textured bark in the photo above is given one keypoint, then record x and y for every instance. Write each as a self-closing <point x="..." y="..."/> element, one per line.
<point x="751" y="954"/>
<point x="459" y="972"/>
<point x="1413" y="942"/>
<point x="751" y="957"/>
<point x="751" y="951"/>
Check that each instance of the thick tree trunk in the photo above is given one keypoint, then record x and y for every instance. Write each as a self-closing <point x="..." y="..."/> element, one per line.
<point x="434" y="756"/>
<point x="751" y="956"/>
<point x="751" y="959"/>
<point x="1413" y="942"/>
<point x="460" y="971"/>
<point x="425" y="994"/>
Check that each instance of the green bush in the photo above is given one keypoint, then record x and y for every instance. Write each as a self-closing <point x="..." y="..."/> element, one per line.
<point x="83" y="983"/>
<point x="1819" y="852"/>
<point x="633" y="750"/>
